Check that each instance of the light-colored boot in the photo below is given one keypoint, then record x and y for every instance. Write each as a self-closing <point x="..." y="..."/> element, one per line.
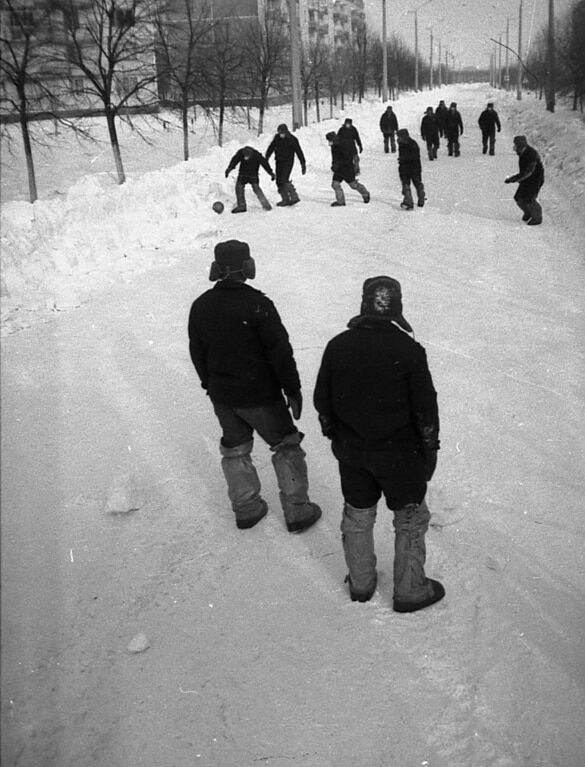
<point x="412" y="589"/>
<point x="291" y="473"/>
<point x="243" y="484"/>
<point x="357" y="535"/>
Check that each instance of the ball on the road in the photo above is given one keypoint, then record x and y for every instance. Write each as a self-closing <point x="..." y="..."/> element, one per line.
<point x="218" y="206"/>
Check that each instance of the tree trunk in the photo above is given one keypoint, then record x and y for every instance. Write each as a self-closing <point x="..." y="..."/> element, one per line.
<point x="111" y="121"/>
<point x="221" y="118"/>
<point x="185" y="121"/>
<point x="317" y="105"/>
<point x="30" y="167"/>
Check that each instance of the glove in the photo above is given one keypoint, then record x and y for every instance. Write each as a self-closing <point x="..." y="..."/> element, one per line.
<point x="227" y="173"/>
<point x="327" y="426"/>
<point x="295" y="403"/>
<point x="361" y="149"/>
<point x="273" y="177"/>
<point x="430" y="464"/>
<point x="303" y="170"/>
<point x="510" y="179"/>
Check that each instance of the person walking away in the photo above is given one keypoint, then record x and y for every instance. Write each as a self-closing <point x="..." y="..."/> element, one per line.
<point x="249" y="161"/>
<point x="285" y="146"/>
<point x="441" y="114"/>
<point x="488" y="122"/>
<point x="377" y="404"/>
<point x="343" y="169"/>
<point x="453" y="129"/>
<point x="348" y="132"/>
<point x="530" y="178"/>
<point x="243" y="357"/>
<point x="409" y="170"/>
<point x="429" y="131"/>
<point x="389" y="126"/>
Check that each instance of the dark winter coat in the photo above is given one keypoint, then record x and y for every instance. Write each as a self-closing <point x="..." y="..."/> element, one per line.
<point x="453" y="123"/>
<point x="530" y="174"/>
<point x="285" y="149"/>
<point x="489" y="121"/>
<point x="249" y="169"/>
<point x="388" y="122"/>
<point x="239" y="346"/>
<point x="375" y="389"/>
<point x="351" y="135"/>
<point x="429" y="128"/>
<point x="409" y="159"/>
<point x="342" y="160"/>
<point x="441" y="113"/>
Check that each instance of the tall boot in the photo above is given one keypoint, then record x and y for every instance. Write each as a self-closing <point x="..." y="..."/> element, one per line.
<point x="534" y="211"/>
<point x="407" y="201"/>
<point x="357" y="535"/>
<point x="412" y="589"/>
<point x="293" y="196"/>
<point x="240" y="199"/>
<point x="243" y="484"/>
<point x="361" y="189"/>
<point x="284" y="193"/>
<point x="291" y="474"/>
<point x="261" y="196"/>
<point x="339" y="196"/>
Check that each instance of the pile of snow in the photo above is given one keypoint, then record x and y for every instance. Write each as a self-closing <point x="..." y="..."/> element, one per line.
<point x="57" y="251"/>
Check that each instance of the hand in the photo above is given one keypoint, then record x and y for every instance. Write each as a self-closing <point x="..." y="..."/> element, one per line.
<point x="327" y="426"/>
<point x="273" y="177"/>
<point x="303" y="170"/>
<point x="227" y="173"/>
<point x="430" y="464"/>
<point x="295" y="403"/>
<point x="508" y="180"/>
<point x="361" y="149"/>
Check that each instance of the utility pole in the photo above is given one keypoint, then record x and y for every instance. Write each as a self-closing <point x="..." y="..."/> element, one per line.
<point x="431" y="61"/>
<point x="440" y="83"/>
<point x="507" y="75"/>
<point x="295" y="64"/>
<point x="550" y="59"/>
<point x="499" y="83"/>
<point x="384" y="55"/>
<point x="520" y="68"/>
<point x="416" y="50"/>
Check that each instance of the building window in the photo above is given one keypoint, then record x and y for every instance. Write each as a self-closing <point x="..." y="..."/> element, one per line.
<point x="22" y="22"/>
<point x="77" y="86"/>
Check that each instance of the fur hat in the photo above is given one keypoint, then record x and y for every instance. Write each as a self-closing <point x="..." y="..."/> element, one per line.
<point x="491" y="104"/>
<point x="520" y="141"/>
<point x="331" y="136"/>
<point x="402" y="133"/>
<point x="282" y="128"/>
<point x="232" y="256"/>
<point x="453" y="105"/>
<point x="382" y="297"/>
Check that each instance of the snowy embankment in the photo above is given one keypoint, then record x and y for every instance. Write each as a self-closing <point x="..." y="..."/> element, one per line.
<point x="58" y="251"/>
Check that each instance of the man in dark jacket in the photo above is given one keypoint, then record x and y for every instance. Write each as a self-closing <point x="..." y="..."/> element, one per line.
<point x="429" y="131"/>
<point x="488" y="122"/>
<point x="349" y="133"/>
<point x="530" y="178"/>
<point x="343" y="169"/>
<point x="249" y="161"/>
<point x="453" y="129"/>
<point x="409" y="170"/>
<point x="285" y="146"/>
<point x="389" y="126"/>
<point x="378" y="406"/>
<point x="441" y="114"/>
<point x="242" y="354"/>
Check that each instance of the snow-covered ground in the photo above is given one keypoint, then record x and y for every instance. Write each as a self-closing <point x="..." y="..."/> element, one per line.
<point x="115" y="520"/>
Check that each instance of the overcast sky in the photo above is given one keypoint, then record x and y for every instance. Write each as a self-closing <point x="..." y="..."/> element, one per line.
<point x="464" y="26"/>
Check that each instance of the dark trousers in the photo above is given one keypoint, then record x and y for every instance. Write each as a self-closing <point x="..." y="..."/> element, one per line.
<point x="283" y="183"/>
<point x="272" y="422"/>
<point x="432" y="147"/>
<point x="241" y="194"/>
<point x="529" y="206"/>
<point x="453" y="142"/>
<point x="488" y="137"/>
<point x="415" y="179"/>
<point x="389" y="138"/>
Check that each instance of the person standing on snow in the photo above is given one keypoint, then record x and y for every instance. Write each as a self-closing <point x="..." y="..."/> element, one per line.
<point x="389" y="126"/>
<point x="285" y="146"/>
<point x="441" y="113"/>
<point x="343" y="169"/>
<point x="377" y="404"/>
<point x="348" y="132"/>
<point x="429" y="131"/>
<point x="409" y="170"/>
<point x="453" y="129"/>
<point x="242" y="354"/>
<point x="530" y="177"/>
<point x="249" y="161"/>
<point x="488" y="122"/>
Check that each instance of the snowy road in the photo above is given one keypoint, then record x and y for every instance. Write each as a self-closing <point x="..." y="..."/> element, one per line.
<point x="256" y="654"/>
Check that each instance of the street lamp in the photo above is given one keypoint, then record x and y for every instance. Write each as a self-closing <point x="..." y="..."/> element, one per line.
<point x="415" y="11"/>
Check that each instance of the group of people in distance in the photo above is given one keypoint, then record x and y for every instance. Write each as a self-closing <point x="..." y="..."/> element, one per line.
<point x="346" y="147"/>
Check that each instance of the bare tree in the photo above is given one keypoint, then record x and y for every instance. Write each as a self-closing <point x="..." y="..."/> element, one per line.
<point x="266" y="55"/>
<point x="571" y="51"/>
<point x="25" y="88"/>
<point x="110" y="44"/>
<point x="314" y="62"/>
<point x="222" y="67"/>
<point x="181" y="36"/>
